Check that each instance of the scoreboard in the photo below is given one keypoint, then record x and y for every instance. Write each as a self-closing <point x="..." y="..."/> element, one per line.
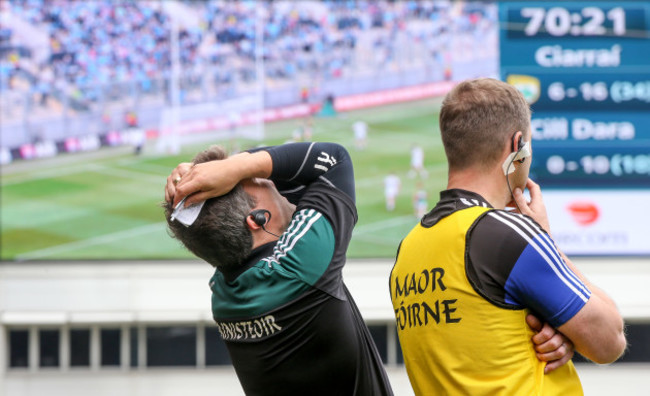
<point x="584" y="66"/>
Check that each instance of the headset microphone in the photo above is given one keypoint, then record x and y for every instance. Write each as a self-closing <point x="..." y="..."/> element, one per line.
<point x="259" y="217"/>
<point x="523" y="151"/>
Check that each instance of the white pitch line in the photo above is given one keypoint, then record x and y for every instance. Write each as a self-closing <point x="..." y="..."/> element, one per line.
<point x="67" y="160"/>
<point x="129" y="174"/>
<point x="383" y="224"/>
<point x="116" y="236"/>
<point x="155" y="168"/>
<point x="106" y="238"/>
<point x="47" y="174"/>
<point x="97" y="168"/>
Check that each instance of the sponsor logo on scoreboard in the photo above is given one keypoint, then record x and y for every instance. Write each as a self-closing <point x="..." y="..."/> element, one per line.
<point x="583" y="212"/>
<point x="593" y="222"/>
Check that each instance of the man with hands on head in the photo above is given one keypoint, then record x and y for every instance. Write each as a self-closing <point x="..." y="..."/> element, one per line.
<point x="489" y="272"/>
<point x="276" y="223"/>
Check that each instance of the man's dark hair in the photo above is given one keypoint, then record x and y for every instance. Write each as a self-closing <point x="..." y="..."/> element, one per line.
<point x="219" y="235"/>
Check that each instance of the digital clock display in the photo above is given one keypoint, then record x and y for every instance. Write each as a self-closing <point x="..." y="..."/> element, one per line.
<point x="577" y="21"/>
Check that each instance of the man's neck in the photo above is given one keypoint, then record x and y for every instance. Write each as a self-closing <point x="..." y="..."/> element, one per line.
<point x="262" y="238"/>
<point x="490" y="185"/>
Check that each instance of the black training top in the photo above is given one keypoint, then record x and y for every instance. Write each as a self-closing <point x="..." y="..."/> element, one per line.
<point x="512" y="262"/>
<point x="289" y="322"/>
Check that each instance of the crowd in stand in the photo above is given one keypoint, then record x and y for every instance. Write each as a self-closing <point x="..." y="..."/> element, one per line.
<point x="323" y="36"/>
<point x="95" y="44"/>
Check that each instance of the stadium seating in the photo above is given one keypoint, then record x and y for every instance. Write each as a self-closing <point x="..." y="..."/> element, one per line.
<point x="106" y="56"/>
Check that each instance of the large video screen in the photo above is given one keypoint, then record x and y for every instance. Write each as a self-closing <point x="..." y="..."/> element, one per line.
<point x="94" y="114"/>
<point x="585" y="69"/>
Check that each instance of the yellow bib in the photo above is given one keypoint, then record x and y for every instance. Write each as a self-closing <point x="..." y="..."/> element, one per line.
<point x="454" y="341"/>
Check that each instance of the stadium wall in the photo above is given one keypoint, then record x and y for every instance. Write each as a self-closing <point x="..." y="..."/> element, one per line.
<point x="137" y="300"/>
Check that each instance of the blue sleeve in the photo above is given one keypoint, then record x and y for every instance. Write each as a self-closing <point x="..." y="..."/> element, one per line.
<point x="541" y="280"/>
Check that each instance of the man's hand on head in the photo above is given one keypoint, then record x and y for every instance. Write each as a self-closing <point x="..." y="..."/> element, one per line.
<point x="206" y="180"/>
<point x="216" y="178"/>
<point x="174" y="178"/>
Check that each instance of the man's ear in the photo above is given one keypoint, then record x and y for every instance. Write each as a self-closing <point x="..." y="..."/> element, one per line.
<point x="251" y="224"/>
<point x="515" y="141"/>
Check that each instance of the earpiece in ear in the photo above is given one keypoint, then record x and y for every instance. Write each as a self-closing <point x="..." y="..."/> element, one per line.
<point x="259" y="216"/>
<point x="520" y="155"/>
<point x="523" y="151"/>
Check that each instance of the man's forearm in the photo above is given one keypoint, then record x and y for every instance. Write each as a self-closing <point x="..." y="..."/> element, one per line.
<point x="215" y="178"/>
<point x="597" y="330"/>
<point x="593" y="288"/>
<point x="249" y="165"/>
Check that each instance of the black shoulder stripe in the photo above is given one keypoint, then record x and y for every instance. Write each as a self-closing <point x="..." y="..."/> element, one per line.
<point x="492" y="249"/>
<point x="517" y="222"/>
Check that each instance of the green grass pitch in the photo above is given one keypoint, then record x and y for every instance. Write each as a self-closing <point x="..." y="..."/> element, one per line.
<point x="105" y="204"/>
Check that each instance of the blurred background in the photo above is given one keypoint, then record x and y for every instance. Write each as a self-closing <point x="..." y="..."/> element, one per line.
<point x="100" y="100"/>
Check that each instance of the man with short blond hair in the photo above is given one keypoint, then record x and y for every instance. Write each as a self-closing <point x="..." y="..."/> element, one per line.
<point x="468" y="276"/>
